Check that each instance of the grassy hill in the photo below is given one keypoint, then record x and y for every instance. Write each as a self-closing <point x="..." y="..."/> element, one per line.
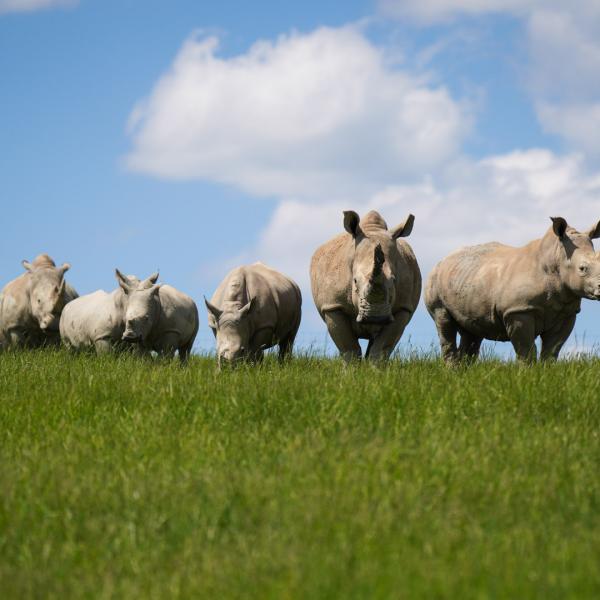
<point x="138" y="479"/>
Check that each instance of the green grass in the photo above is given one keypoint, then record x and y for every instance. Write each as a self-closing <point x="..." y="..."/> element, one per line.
<point x="127" y="478"/>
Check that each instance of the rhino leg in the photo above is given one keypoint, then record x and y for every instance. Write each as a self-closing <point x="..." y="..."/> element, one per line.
<point x="554" y="339"/>
<point x="521" y="332"/>
<point x="469" y="345"/>
<point x="387" y="339"/>
<point x="286" y="346"/>
<point x="184" y="352"/>
<point x="340" y="329"/>
<point x="447" y="329"/>
<point x="103" y="346"/>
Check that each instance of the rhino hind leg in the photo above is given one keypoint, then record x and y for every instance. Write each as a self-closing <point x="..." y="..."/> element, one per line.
<point x="469" y="346"/>
<point x="447" y="329"/>
<point x="342" y="334"/>
<point x="185" y="351"/>
<point x="554" y="339"/>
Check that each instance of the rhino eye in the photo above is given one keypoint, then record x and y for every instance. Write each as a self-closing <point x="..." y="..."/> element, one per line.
<point x="583" y="269"/>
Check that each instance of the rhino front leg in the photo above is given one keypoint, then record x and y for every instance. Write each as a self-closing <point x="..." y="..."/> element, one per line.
<point x="387" y="339"/>
<point x="340" y="329"/>
<point x="554" y="339"/>
<point x="521" y="331"/>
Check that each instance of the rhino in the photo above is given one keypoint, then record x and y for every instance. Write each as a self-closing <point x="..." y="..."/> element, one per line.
<point x="31" y="304"/>
<point x="499" y="292"/>
<point x="254" y="308"/>
<point x="141" y="314"/>
<point x="366" y="284"/>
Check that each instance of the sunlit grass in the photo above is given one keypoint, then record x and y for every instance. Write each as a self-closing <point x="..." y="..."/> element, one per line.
<point x="137" y="478"/>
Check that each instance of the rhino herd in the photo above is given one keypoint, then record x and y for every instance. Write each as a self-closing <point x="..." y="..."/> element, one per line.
<point x="366" y="284"/>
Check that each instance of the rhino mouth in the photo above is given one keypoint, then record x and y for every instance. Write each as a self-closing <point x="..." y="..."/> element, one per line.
<point x="366" y="319"/>
<point x="131" y="337"/>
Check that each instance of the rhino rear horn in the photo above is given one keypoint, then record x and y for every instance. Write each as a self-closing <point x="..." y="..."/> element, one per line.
<point x="27" y="265"/>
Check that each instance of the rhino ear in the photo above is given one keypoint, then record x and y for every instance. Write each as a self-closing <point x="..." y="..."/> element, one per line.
<point x="405" y="228"/>
<point x="27" y="265"/>
<point x="559" y="225"/>
<point x="213" y="310"/>
<point x="247" y="308"/>
<point x="594" y="232"/>
<point x="123" y="281"/>
<point x="149" y="281"/>
<point x="351" y="221"/>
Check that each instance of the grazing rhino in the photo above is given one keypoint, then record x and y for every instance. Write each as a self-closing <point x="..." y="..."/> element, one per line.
<point x="31" y="304"/>
<point x="150" y="316"/>
<point x="499" y="292"/>
<point x="254" y="308"/>
<point x="366" y="284"/>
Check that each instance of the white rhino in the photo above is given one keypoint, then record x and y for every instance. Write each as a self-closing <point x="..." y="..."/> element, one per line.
<point x="254" y="308"/>
<point x="31" y="304"/>
<point x="147" y="315"/>
<point x="499" y="292"/>
<point x="366" y="284"/>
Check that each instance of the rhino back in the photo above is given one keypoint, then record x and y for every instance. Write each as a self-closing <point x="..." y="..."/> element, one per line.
<point x="482" y="284"/>
<point x="408" y="278"/>
<point x="331" y="274"/>
<point x="92" y="317"/>
<point x="277" y="300"/>
<point x="179" y="314"/>
<point x="15" y="309"/>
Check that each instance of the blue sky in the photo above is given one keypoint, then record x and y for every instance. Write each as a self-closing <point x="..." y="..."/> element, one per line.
<point x="192" y="137"/>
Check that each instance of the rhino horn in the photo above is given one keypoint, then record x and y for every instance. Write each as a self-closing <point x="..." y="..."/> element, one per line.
<point x="378" y="260"/>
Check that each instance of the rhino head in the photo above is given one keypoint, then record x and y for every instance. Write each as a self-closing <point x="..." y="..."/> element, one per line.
<point x="579" y="264"/>
<point x="232" y="330"/>
<point x="373" y="281"/>
<point x="47" y="290"/>
<point x="142" y="306"/>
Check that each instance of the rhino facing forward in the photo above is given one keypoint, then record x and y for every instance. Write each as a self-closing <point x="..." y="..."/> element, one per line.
<point x="499" y="292"/>
<point x="31" y="304"/>
<point x="254" y="308"/>
<point x="366" y="284"/>
<point x="151" y="316"/>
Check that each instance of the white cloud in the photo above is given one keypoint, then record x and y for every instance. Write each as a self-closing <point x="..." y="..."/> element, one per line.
<point x="564" y="48"/>
<point x="304" y="116"/>
<point x="506" y="198"/>
<point x="8" y="6"/>
<point x="436" y="11"/>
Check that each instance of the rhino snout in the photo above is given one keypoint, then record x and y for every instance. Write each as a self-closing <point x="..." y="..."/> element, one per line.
<point x="375" y="319"/>
<point x="131" y="336"/>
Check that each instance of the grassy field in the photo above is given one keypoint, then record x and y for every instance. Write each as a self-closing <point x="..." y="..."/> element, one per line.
<point x="133" y="479"/>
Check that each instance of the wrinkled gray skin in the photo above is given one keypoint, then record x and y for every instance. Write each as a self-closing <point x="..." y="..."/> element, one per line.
<point x="142" y="315"/>
<point x="366" y="284"/>
<point x="253" y="309"/>
<point x="499" y="292"/>
<point x="31" y="304"/>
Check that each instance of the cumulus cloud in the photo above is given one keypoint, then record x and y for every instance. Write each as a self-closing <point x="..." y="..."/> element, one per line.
<point x="564" y="48"/>
<point x="306" y="116"/>
<point x="506" y="198"/>
<point x="8" y="6"/>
